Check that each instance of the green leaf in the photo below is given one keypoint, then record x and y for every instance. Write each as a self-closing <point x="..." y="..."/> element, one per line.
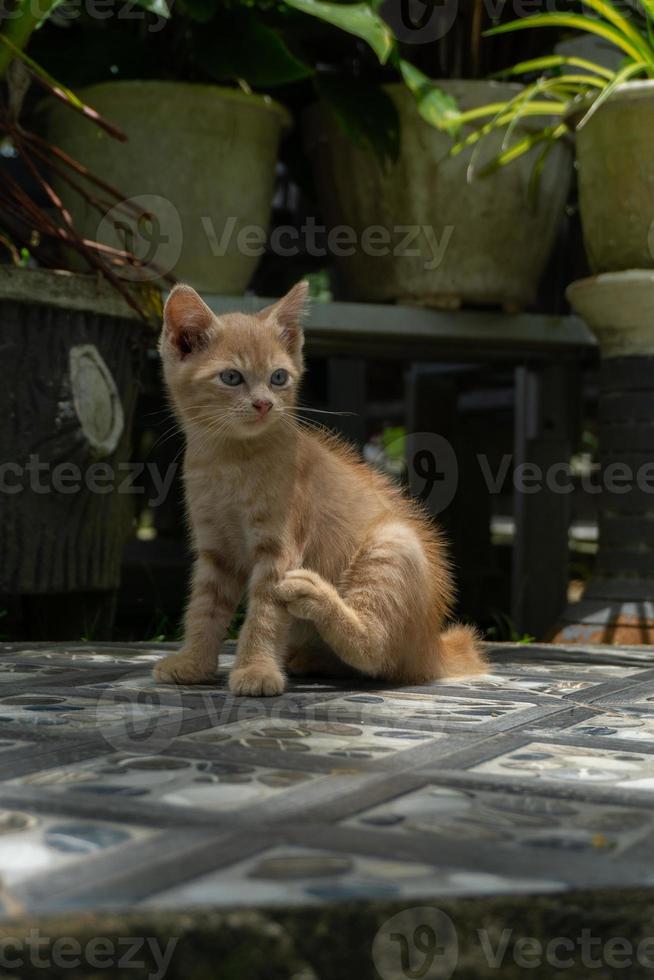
<point x="493" y="108"/>
<point x="42" y="73"/>
<point x="238" y="45"/>
<point x="366" y="114"/>
<point x="608" y="10"/>
<point x="576" y="22"/>
<point x="355" y="18"/>
<point x="554" y="61"/>
<point x="523" y="146"/>
<point x="157" y="7"/>
<point x="503" y="113"/>
<point x="622" y="76"/>
<point x="648" y="6"/>
<point x="434" y="105"/>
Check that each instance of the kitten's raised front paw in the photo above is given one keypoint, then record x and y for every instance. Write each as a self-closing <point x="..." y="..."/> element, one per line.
<point x="306" y="594"/>
<point x="185" y="668"/>
<point x="256" y="682"/>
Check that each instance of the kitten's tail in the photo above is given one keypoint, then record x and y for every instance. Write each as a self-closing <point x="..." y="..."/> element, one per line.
<point x="461" y="653"/>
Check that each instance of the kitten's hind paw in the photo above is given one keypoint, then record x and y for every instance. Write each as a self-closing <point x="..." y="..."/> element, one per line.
<point x="184" y="668"/>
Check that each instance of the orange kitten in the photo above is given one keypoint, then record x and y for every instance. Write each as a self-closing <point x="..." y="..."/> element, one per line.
<point x="341" y="570"/>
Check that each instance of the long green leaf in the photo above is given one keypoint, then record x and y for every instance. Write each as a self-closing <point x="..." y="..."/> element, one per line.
<point x="622" y="76"/>
<point x="535" y="109"/>
<point x="355" y="18"/>
<point x="42" y="73"/>
<point x="26" y="17"/>
<point x="576" y="22"/>
<point x="521" y="105"/>
<point x="61" y="91"/>
<point x="648" y="6"/>
<point x="508" y="110"/>
<point x="531" y="94"/>
<point x="562" y="87"/>
<point x="609" y="12"/>
<point x="523" y="146"/>
<point x="554" y="61"/>
<point x="501" y="119"/>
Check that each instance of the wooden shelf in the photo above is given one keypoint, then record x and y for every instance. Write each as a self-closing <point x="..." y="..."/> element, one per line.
<point x="371" y="329"/>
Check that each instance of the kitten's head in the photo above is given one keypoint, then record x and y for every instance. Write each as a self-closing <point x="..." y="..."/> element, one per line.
<point x="234" y="374"/>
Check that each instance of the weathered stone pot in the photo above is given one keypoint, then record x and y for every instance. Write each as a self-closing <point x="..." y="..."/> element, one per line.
<point x="618" y="604"/>
<point x="71" y="350"/>
<point x="448" y="241"/>
<point x="615" y="162"/>
<point x="200" y="158"/>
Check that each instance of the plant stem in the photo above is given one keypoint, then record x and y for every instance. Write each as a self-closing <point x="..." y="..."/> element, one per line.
<point x="18" y="26"/>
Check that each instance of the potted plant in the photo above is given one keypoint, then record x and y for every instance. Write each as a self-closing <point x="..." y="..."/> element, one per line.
<point x="611" y="112"/>
<point x="72" y="347"/>
<point x="203" y="131"/>
<point x="426" y="232"/>
<point x="441" y="241"/>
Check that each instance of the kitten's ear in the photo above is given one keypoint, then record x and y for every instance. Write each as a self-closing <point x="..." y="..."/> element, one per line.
<point x="187" y="320"/>
<point x="287" y="314"/>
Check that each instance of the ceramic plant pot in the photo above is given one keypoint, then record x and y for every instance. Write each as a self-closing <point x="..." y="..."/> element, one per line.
<point x="72" y="351"/>
<point x="449" y="240"/>
<point x="201" y="159"/>
<point x="615" y="161"/>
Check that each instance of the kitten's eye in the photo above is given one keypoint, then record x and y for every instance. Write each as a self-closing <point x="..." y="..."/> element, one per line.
<point x="231" y="377"/>
<point x="279" y="377"/>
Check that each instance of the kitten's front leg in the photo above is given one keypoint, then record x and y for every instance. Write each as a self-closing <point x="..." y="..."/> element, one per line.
<point x="262" y="639"/>
<point x="215" y="593"/>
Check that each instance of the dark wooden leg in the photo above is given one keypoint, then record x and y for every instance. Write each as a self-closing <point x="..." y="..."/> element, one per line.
<point x="431" y="417"/>
<point x="543" y="426"/>
<point x="443" y="471"/>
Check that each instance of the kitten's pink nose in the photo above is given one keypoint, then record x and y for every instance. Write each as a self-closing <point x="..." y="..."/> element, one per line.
<point x="262" y="406"/>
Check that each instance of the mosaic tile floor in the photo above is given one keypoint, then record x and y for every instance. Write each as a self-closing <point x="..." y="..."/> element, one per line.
<point x="119" y="792"/>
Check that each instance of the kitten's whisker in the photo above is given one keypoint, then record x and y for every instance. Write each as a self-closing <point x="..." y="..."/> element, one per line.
<point x="301" y="423"/>
<point x="321" y="411"/>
